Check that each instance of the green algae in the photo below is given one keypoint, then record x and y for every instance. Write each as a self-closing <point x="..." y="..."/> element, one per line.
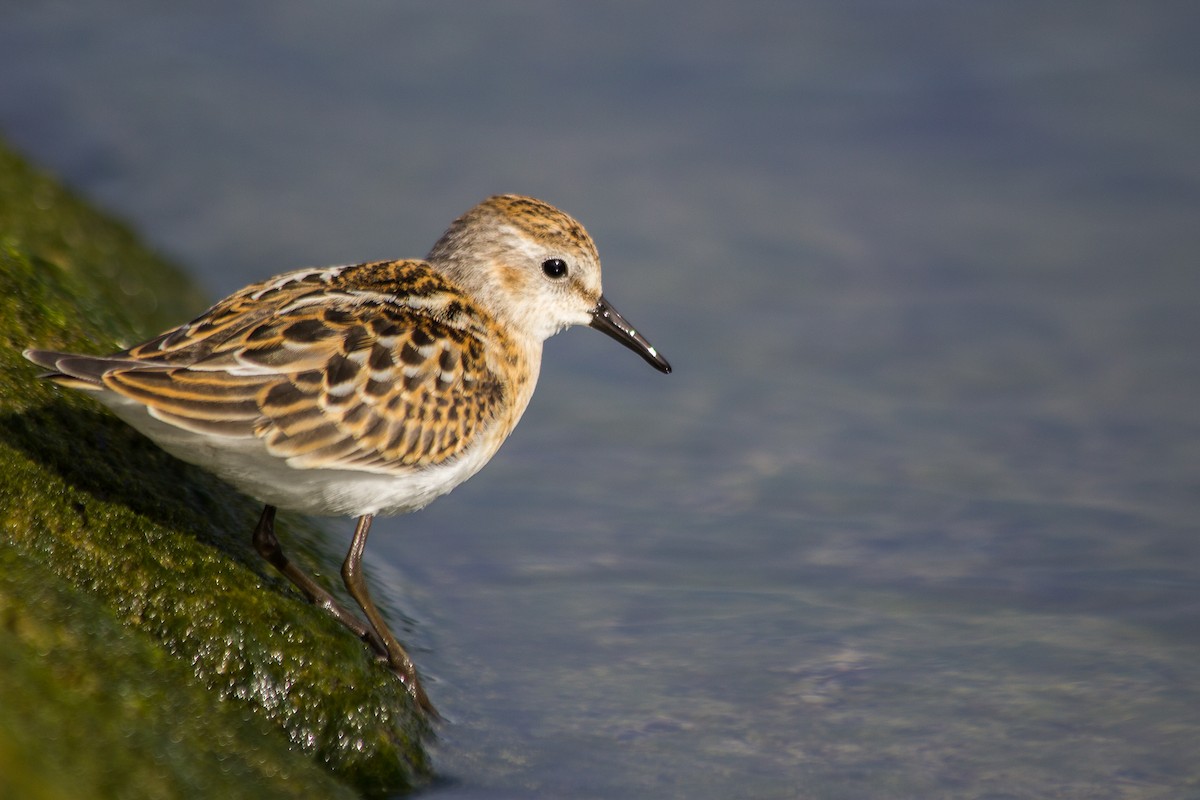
<point x="143" y="640"/>
<point x="92" y="711"/>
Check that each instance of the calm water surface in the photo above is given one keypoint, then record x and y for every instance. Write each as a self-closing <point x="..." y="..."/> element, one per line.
<point x="916" y="515"/>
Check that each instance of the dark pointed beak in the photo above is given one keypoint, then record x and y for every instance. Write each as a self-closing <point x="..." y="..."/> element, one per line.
<point x="606" y="319"/>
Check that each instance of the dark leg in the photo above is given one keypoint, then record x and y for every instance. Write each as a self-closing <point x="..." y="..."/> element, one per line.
<point x="398" y="660"/>
<point x="267" y="545"/>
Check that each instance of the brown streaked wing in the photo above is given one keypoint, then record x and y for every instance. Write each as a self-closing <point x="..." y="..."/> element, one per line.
<point x="382" y="400"/>
<point x="258" y="302"/>
<point x="204" y="402"/>
<point x="189" y="342"/>
<point x="371" y="385"/>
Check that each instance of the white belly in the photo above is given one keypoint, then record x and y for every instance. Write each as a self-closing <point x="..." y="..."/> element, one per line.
<point x="246" y="465"/>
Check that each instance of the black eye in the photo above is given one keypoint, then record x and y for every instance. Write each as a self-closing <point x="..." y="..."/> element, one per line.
<point x="554" y="267"/>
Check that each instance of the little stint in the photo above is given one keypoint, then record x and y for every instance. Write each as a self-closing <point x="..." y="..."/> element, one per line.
<point x="363" y="390"/>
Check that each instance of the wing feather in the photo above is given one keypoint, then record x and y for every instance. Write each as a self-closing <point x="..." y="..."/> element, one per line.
<point x="356" y="381"/>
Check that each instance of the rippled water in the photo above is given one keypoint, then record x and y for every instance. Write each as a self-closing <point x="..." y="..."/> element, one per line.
<point x="916" y="514"/>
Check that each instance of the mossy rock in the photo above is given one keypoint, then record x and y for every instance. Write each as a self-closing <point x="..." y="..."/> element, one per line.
<point x="145" y="649"/>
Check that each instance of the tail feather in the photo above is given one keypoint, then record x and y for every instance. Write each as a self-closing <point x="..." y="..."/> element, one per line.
<point x="43" y="358"/>
<point x="71" y="369"/>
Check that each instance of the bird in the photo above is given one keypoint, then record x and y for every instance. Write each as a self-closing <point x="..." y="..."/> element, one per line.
<point x="363" y="390"/>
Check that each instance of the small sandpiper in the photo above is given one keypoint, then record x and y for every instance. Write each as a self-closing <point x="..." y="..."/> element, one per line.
<point x="368" y="389"/>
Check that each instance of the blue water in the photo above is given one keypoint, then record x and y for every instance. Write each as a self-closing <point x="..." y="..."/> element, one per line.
<point x="916" y="514"/>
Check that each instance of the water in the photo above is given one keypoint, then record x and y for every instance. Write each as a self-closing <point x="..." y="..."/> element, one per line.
<point x="914" y="517"/>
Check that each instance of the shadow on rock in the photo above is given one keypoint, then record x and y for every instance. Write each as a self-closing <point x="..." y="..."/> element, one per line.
<point x="98" y="454"/>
